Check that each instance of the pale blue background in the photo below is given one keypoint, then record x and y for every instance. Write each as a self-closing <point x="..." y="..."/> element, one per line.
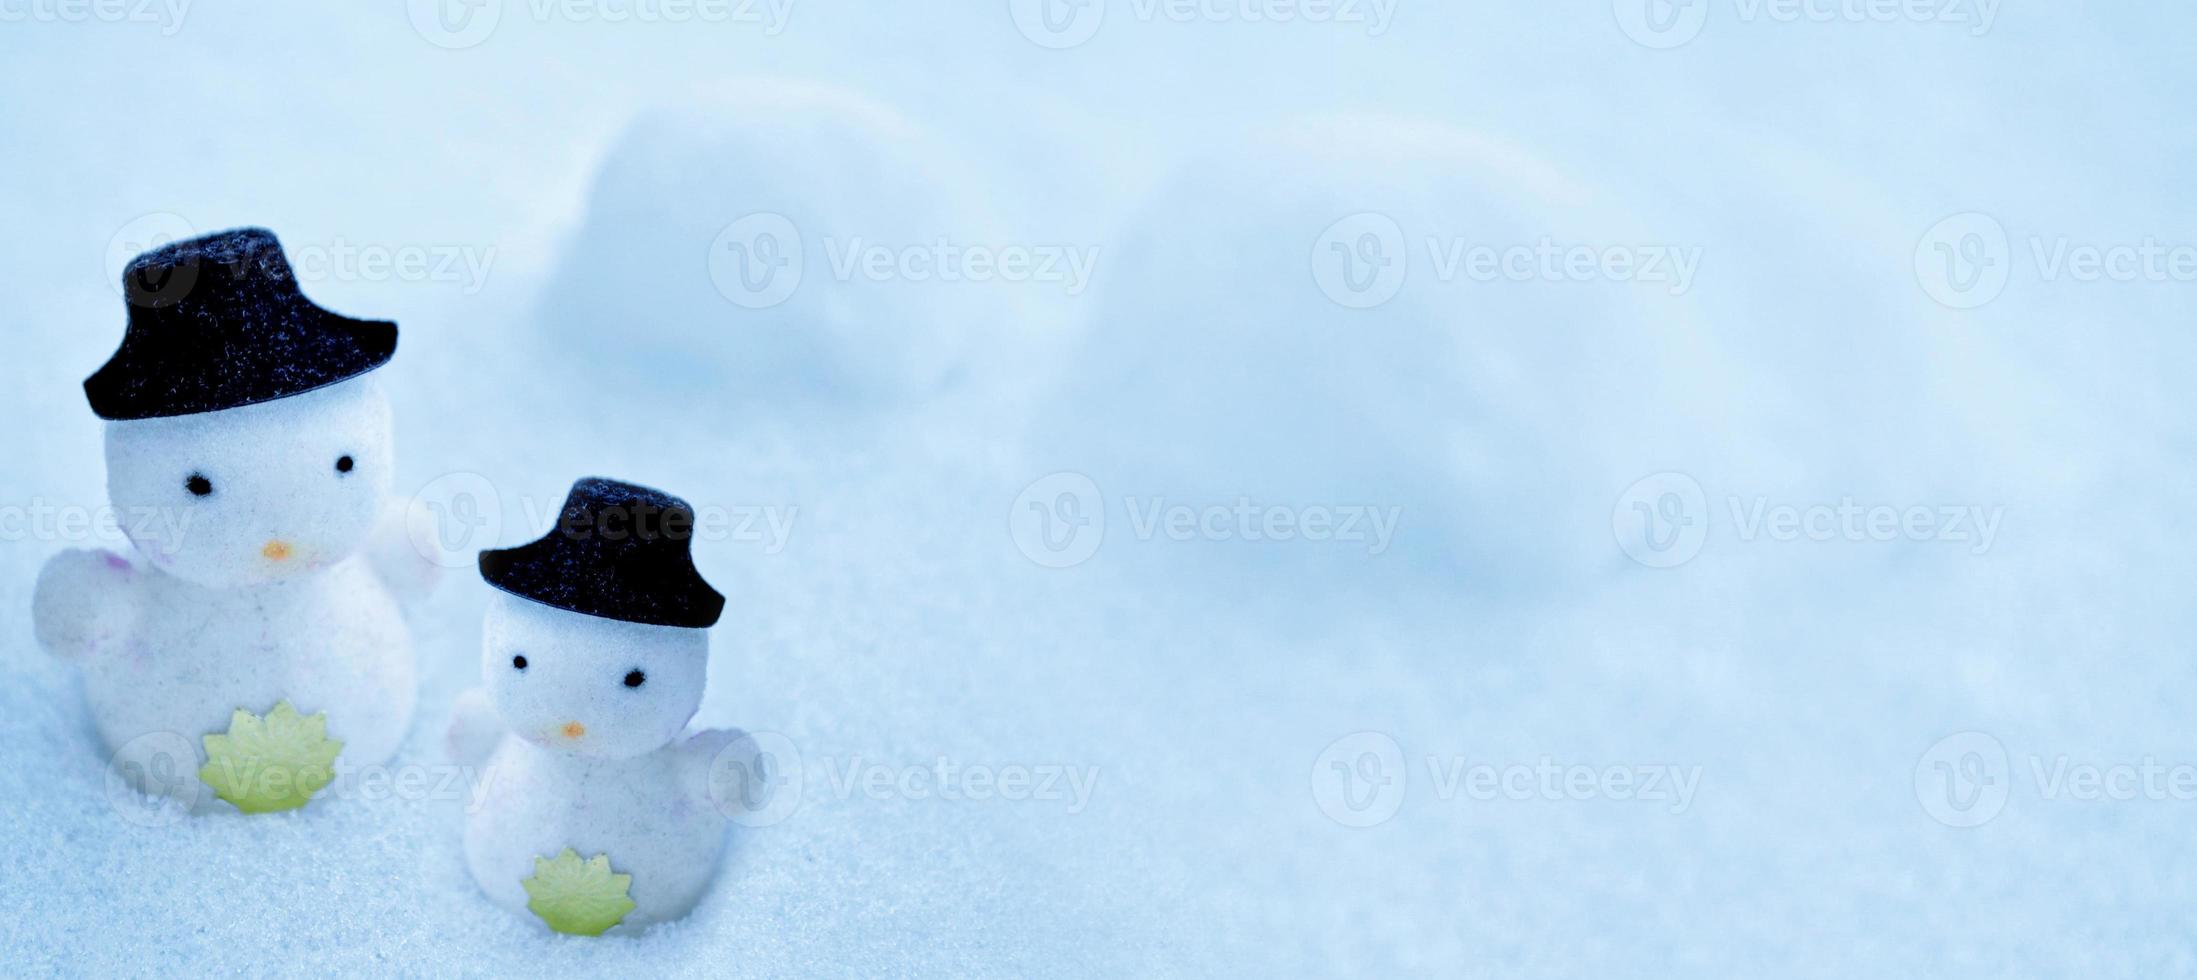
<point x="1807" y="363"/>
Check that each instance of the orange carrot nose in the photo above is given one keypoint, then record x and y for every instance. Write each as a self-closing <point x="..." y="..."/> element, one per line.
<point x="276" y="550"/>
<point x="574" y="729"/>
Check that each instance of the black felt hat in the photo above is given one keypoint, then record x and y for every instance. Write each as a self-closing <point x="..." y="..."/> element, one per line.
<point x="618" y="551"/>
<point x="218" y="322"/>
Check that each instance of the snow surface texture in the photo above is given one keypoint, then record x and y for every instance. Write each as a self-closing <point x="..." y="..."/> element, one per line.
<point x="1797" y="703"/>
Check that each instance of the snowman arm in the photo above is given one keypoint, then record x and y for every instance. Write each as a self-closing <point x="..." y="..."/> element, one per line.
<point x="404" y="571"/>
<point x="86" y="603"/>
<point x="475" y="729"/>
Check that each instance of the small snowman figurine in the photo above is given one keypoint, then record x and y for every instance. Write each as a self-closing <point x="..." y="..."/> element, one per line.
<point x="596" y="811"/>
<point x="256" y="634"/>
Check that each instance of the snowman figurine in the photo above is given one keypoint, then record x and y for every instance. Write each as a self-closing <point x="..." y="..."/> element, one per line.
<point x="256" y="633"/>
<point x="596" y="811"/>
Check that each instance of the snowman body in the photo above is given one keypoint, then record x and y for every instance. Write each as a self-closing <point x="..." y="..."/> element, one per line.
<point x="642" y="812"/>
<point x="255" y="585"/>
<point x="582" y="720"/>
<point x="332" y="644"/>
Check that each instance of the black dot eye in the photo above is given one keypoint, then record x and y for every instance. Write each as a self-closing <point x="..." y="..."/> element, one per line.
<point x="518" y="662"/>
<point x="344" y="464"/>
<point x="199" y="486"/>
<point x="635" y="678"/>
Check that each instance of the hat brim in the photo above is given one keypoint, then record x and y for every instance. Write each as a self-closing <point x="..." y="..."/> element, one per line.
<point x="323" y="349"/>
<point x="540" y="572"/>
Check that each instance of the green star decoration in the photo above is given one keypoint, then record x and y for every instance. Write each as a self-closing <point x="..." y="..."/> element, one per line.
<point x="579" y="898"/>
<point x="272" y="763"/>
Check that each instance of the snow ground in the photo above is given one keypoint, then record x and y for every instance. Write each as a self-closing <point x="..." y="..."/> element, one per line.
<point x="1210" y="684"/>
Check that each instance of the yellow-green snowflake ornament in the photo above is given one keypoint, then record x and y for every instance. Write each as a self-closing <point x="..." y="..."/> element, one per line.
<point x="579" y="898"/>
<point x="271" y="763"/>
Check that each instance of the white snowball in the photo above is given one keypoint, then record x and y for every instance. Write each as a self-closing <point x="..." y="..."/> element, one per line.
<point x="1285" y="323"/>
<point x="722" y="243"/>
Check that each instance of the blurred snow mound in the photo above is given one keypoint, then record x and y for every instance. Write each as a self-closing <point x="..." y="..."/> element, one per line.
<point x="731" y="244"/>
<point x="1295" y="319"/>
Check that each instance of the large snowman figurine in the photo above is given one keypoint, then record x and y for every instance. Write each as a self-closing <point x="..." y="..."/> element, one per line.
<point x="254" y="635"/>
<point x="597" y="811"/>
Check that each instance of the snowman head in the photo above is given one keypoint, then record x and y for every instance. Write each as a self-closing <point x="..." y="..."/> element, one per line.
<point x="246" y="440"/>
<point x="600" y="640"/>
<point x="255" y="494"/>
<point x="588" y="685"/>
